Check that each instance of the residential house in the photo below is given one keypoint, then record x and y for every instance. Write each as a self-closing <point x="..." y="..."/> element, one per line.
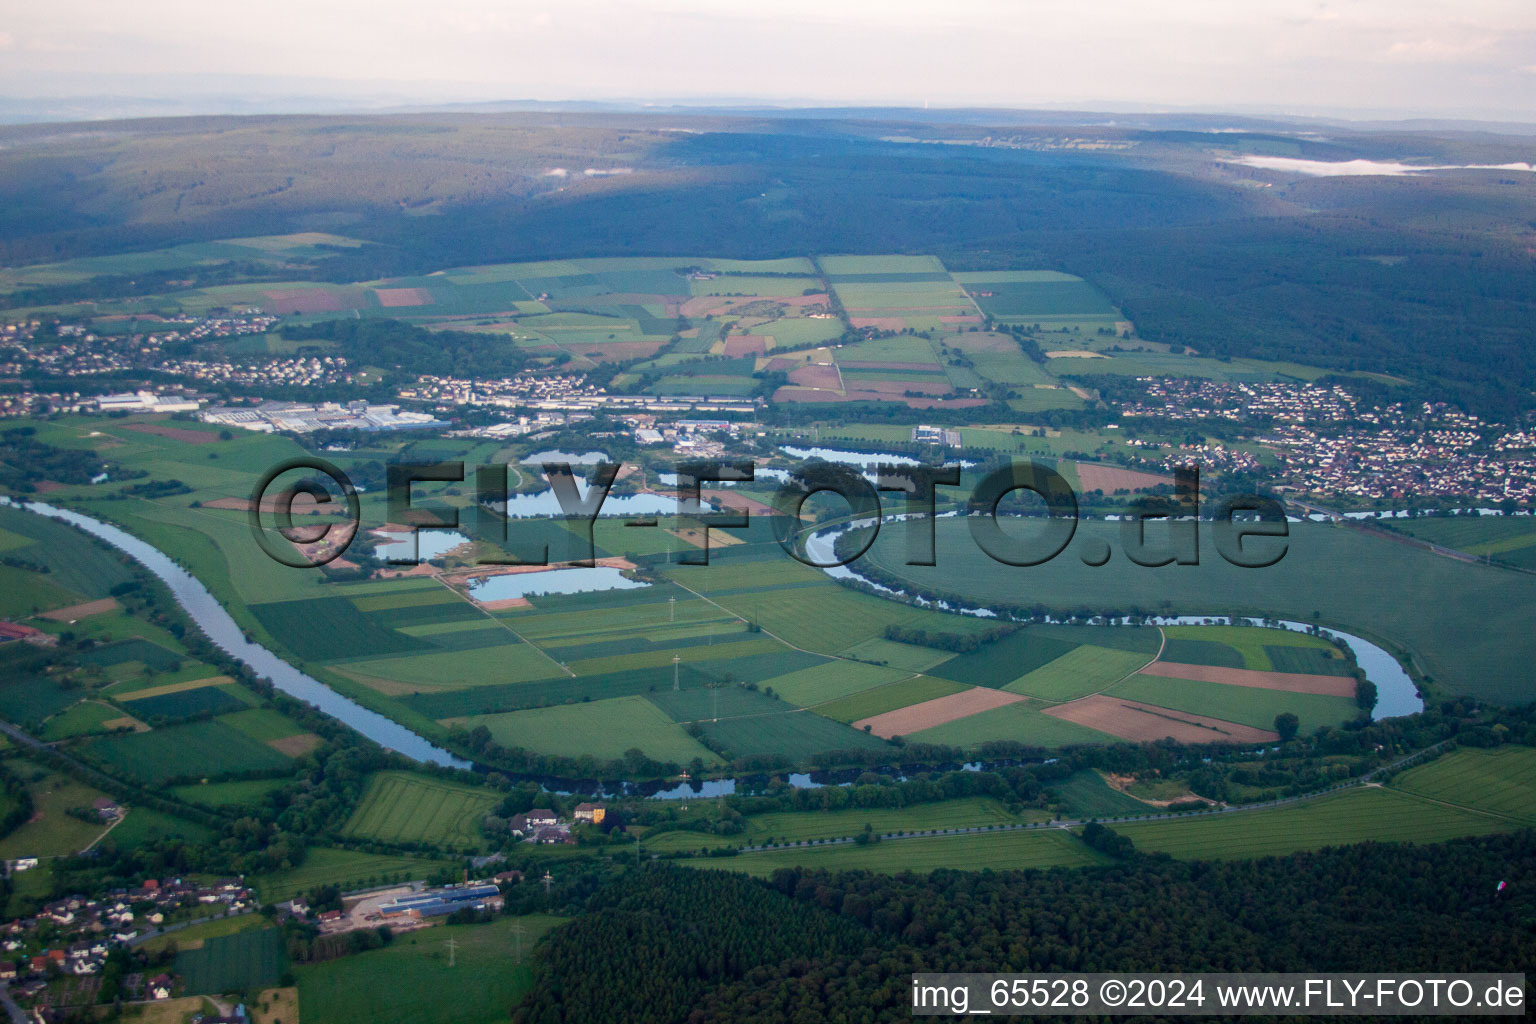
<point x="592" y="814"/>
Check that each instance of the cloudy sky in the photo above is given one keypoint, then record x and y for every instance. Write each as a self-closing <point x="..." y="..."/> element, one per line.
<point x="1363" y="57"/>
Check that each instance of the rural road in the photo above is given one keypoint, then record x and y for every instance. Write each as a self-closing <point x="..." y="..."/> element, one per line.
<point x="1363" y="780"/>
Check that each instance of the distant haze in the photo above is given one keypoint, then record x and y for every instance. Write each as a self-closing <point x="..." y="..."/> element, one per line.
<point x="1475" y="58"/>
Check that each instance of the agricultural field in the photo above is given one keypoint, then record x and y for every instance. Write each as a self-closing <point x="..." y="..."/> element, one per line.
<point x="1021" y="722"/>
<point x="347" y="869"/>
<point x="602" y="728"/>
<point x="245" y="961"/>
<point x="1472" y="640"/>
<point x="1356" y="815"/>
<point x="1080" y="671"/>
<point x="1085" y="795"/>
<point x="890" y="697"/>
<point x="240" y="793"/>
<point x="999" y="851"/>
<point x="207" y="749"/>
<point x="1508" y="539"/>
<point x="403" y="808"/>
<point x="405" y="982"/>
<point x="1500" y="781"/>
<point x="793" y="737"/>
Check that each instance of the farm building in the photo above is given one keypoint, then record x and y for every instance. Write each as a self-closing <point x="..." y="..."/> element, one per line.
<point x="591" y="814"/>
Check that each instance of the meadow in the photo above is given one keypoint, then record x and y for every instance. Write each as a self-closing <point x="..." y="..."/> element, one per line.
<point x="402" y="808"/>
<point x="410" y="982"/>
<point x="52" y="832"/>
<point x="602" y="728"/>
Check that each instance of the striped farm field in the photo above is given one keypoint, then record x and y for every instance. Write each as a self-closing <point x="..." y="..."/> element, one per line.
<point x="1147" y="723"/>
<point x="1288" y="682"/>
<point x="400" y="807"/>
<point x="1081" y="671"/>
<point x="1499" y="781"/>
<point x="935" y="712"/>
<point x="877" y="701"/>
<point x="1354" y="816"/>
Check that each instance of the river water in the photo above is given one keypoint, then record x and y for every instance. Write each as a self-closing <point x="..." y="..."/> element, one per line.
<point x="227" y="635"/>
<point x="1396" y="692"/>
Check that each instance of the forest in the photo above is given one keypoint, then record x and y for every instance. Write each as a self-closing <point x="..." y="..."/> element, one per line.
<point x="698" y="946"/>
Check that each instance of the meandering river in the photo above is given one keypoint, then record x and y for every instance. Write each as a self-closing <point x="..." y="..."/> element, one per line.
<point x="1397" y="694"/>
<point x="227" y="635"/>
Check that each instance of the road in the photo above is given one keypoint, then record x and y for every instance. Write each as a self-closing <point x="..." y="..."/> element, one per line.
<point x="17" y="1014"/>
<point x="1363" y="780"/>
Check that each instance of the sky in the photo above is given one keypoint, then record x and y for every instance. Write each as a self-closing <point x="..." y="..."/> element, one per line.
<point x="1470" y="58"/>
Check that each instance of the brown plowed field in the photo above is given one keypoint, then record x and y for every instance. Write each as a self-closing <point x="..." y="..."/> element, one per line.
<point x="1147" y="723"/>
<point x="174" y="433"/>
<point x="818" y="375"/>
<point x="908" y="720"/>
<point x="391" y="297"/>
<point x="1097" y="477"/>
<point x="80" y="611"/>
<point x="1290" y="682"/>
<point x="746" y="345"/>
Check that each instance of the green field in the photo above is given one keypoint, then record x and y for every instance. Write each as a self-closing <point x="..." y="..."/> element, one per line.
<point x="1509" y="539"/>
<point x="52" y="832"/>
<point x="1081" y="671"/>
<point x="1247" y="705"/>
<point x="348" y="869"/>
<point x="1353" y="816"/>
<point x="196" y="934"/>
<point x="246" y="961"/>
<point x="1472" y="638"/>
<point x="830" y="680"/>
<point x="881" y="699"/>
<point x="603" y="728"/>
<point x="1085" y="794"/>
<point x="323" y="628"/>
<point x="399" y="807"/>
<point x="410" y="982"/>
<point x="243" y="793"/>
<point x="1499" y="781"/>
<point x="83" y="719"/>
<point x="796" y="736"/>
<point x="148" y="826"/>
<point x="998" y="851"/>
<point x="999" y="663"/>
<point x="1019" y="723"/>
<point x="207" y="749"/>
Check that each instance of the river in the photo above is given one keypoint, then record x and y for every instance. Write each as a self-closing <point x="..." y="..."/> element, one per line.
<point x="227" y="635"/>
<point x="1396" y="694"/>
